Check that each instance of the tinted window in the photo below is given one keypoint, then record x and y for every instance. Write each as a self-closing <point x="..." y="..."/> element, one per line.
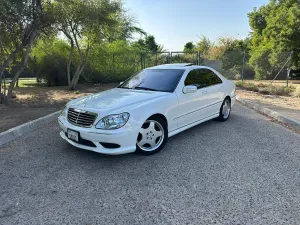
<point x="154" y="80"/>
<point x="202" y="78"/>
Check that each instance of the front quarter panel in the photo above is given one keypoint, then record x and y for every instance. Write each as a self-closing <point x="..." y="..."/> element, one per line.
<point x="167" y="106"/>
<point x="230" y="88"/>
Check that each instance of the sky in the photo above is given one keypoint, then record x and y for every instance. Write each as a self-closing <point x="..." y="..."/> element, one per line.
<point x="175" y="22"/>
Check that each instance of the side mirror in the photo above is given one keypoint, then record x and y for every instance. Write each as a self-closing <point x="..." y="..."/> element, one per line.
<point x="189" y="89"/>
<point x="121" y="82"/>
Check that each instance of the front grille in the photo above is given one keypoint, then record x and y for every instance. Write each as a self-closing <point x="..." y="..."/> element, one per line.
<point x="81" y="118"/>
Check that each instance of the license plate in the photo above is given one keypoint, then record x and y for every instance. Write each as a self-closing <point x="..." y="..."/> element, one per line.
<point x="73" y="135"/>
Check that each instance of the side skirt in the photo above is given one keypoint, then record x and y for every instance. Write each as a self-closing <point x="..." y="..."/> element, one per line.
<point x="174" y="132"/>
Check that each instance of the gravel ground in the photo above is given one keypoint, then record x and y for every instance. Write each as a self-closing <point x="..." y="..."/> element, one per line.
<point x="243" y="171"/>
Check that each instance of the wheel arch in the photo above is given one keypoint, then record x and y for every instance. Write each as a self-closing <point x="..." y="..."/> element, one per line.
<point x="159" y="115"/>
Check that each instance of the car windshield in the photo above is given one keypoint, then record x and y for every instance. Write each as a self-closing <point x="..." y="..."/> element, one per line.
<point x="164" y="80"/>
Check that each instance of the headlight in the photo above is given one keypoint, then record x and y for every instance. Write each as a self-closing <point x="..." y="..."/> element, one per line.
<point x="113" y="121"/>
<point x="64" y="112"/>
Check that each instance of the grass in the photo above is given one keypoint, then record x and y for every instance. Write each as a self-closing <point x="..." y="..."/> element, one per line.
<point x="24" y="82"/>
<point x="277" y="83"/>
<point x="28" y="83"/>
<point x="269" y="89"/>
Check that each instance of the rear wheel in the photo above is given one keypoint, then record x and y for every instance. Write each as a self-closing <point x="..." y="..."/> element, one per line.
<point x="152" y="137"/>
<point x="225" y="110"/>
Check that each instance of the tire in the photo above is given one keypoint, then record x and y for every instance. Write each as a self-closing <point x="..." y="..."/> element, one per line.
<point x="152" y="137"/>
<point x="225" y="110"/>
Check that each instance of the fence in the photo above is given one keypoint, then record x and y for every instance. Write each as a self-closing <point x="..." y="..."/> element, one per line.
<point x="265" y="65"/>
<point x="116" y="67"/>
<point x="232" y="64"/>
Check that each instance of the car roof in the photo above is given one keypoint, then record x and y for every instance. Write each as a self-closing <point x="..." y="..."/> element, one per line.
<point x="178" y="66"/>
<point x="173" y="65"/>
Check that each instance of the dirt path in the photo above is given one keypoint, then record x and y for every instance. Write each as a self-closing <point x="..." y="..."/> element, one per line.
<point x="288" y="106"/>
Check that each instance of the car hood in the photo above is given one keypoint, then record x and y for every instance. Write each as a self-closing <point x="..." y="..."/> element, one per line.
<point x="116" y="99"/>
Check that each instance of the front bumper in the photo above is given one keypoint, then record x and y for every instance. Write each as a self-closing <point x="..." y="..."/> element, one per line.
<point x="125" y="138"/>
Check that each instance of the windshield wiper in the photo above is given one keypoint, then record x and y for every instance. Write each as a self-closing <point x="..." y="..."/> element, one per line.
<point x="145" y="88"/>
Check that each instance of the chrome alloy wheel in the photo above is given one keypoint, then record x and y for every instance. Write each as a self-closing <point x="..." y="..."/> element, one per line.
<point x="151" y="136"/>
<point x="226" y="109"/>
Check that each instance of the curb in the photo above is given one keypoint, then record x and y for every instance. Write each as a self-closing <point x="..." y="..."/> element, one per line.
<point x="25" y="128"/>
<point x="273" y="114"/>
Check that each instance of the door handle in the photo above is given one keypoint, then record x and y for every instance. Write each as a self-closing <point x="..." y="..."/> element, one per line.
<point x="204" y="92"/>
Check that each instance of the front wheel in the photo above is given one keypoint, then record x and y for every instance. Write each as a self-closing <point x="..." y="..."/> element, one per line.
<point x="152" y="137"/>
<point x="225" y="110"/>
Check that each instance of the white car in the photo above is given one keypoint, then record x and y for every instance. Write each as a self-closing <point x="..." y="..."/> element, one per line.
<point x="148" y="108"/>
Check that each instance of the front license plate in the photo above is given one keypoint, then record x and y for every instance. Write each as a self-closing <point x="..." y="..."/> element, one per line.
<point x="73" y="135"/>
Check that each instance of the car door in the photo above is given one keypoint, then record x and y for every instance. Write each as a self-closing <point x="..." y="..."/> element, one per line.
<point x="204" y="102"/>
<point x="214" y="86"/>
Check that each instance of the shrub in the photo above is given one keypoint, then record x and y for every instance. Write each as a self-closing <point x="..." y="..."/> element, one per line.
<point x="290" y="89"/>
<point x="274" y="90"/>
<point x="269" y="89"/>
<point x="49" y="59"/>
<point x="247" y="86"/>
<point x="239" y="84"/>
<point x="237" y="77"/>
<point x="232" y="73"/>
<point x="251" y="87"/>
<point x="296" y="92"/>
<point x="261" y="85"/>
<point x="265" y="90"/>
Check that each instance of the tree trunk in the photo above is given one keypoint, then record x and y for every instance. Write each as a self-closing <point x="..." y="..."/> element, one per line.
<point x="8" y="60"/>
<point x="1" y="95"/>
<point x="79" y="70"/>
<point x="75" y="78"/>
<point x="69" y="63"/>
<point x="0" y="90"/>
<point x="22" y="67"/>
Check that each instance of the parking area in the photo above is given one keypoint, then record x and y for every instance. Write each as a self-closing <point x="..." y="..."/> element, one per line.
<point x="243" y="171"/>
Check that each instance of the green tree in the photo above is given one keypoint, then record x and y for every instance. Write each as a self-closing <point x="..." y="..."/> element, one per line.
<point x="123" y="30"/>
<point x="148" y="44"/>
<point x="87" y="24"/>
<point x="84" y="23"/>
<point x="21" y="22"/>
<point x="48" y="59"/>
<point x="204" y="46"/>
<point x="275" y="31"/>
<point x="151" y="44"/>
<point x="189" y="47"/>
<point x="234" y="54"/>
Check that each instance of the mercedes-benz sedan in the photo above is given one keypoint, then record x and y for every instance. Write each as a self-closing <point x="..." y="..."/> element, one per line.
<point x="148" y="108"/>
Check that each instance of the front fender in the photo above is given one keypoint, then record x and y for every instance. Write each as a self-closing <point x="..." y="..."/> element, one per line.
<point x="167" y="106"/>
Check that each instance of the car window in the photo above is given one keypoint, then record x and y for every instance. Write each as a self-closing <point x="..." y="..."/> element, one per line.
<point x="202" y="78"/>
<point x="165" y="80"/>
